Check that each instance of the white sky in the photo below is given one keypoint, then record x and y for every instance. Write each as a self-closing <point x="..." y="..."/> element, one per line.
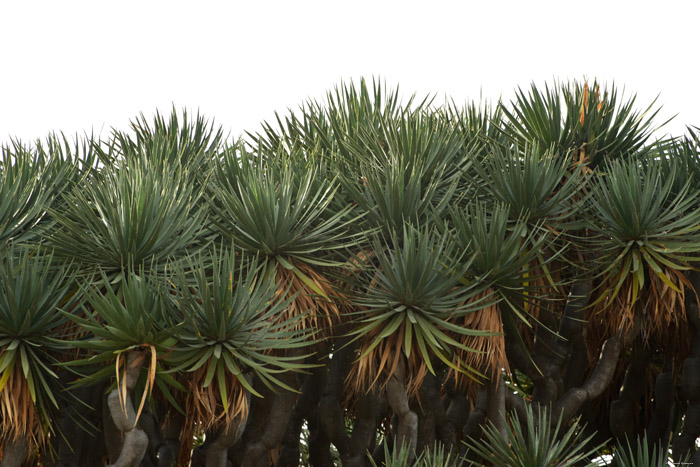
<point x="74" y="66"/>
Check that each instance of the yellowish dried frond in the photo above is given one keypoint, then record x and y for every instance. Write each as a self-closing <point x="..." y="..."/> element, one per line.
<point x="19" y="418"/>
<point x="205" y="409"/>
<point x="657" y="314"/>
<point x="489" y="352"/>
<point x="320" y="313"/>
<point x="380" y="363"/>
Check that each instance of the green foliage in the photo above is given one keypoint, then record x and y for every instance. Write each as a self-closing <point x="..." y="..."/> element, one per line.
<point x="642" y="225"/>
<point x="536" y="186"/>
<point x="278" y="206"/>
<point x="500" y="251"/>
<point x="423" y="238"/>
<point x="436" y="456"/>
<point x="116" y="318"/>
<point x="33" y="286"/>
<point x="640" y="454"/>
<point x="405" y="170"/>
<point x="30" y="180"/>
<point x="540" y="444"/>
<point x="412" y="297"/>
<point x="592" y="120"/>
<point x="227" y="314"/>
<point x="131" y="215"/>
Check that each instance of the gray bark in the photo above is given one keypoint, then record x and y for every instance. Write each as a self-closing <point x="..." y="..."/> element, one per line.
<point x="496" y="406"/>
<point x="281" y="407"/>
<point x="135" y="440"/>
<point x="14" y="452"/>
<point x="569" y="405"/>
<point x="406" y="432"/>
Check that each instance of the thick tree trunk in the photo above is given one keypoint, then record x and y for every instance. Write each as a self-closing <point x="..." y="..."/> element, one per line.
<point x="257" y="451"/>
<point x="552" y="351"/>
<point x="624" y="408"/>
<point x="216" y="451"/>
<point x="476" y="419"/>
<point x="135" y="440"/>
<point x="319" y="444"/>
<point x="406" y="432"/>
<point x="330" y="415"/>
<point x="568" y="406"/>
<point x="306" y="405"/>
<point x="170" y="446"/>
<point x="659" y="427"/>
<point x="496" y="406"/>
<point x="364" y="431"/>
<point x="690" y="382"/>
<point x="440" y="427"/>
<point x="14" y="452"/>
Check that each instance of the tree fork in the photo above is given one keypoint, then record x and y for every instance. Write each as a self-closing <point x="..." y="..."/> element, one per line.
<point x="306" y="404"/>
<point x="406" y="432"/>
<point x="623" y="408"/>
<point x="363" y="433"/>
<point x="659" y="428"/>
<point x="553" y="351"/>
<point x="280" y="412"/>
<point x="574" y="398"/>
<point x="330" y="414"/>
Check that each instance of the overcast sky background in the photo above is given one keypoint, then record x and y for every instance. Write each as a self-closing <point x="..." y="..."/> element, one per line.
<point x="82" y="66"/>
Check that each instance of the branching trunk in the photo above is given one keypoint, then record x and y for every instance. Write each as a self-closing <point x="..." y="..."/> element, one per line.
<point x="306" y="405"/>
<point x="690" y="382"/>
<point x="366" y="419"/>
<point x="569" y="405"/>
<point x="456" y="416"/>
<point x="319" y="444"/>
<point x="168" y="449"/>
<point x="623" y="409"/>
<point x="496" y="406"/>
<point x="659" y="427"/>
<point x="330" y="413"/>
<point x="398" y="401"/>
<point x="257" y="451"/>
<point x="431" y="404"/>
<point x="477" y="416"/>
<point x="135" y="441"/>
<point x="216" y="451"/>
<point x="476" y="419"/>
<point x="552" y="352"/>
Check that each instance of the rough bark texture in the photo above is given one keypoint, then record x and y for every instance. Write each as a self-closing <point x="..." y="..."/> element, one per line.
<point x="216" y="451"/>
<point x="367" y="417"/>
<point x="659" y="427"/>
<point x="440" y="413"/>
<point x="477" y="416"/>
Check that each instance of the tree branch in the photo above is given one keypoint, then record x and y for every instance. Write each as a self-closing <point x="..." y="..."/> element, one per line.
<point x="601" y="377"/>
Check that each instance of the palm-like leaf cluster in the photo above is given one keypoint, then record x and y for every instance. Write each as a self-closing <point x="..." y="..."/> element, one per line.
<point x="647" y="236"/>
<point x="362" y="250"/>
<point x="543" y="445"/>
<point x="32" y="288"/>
